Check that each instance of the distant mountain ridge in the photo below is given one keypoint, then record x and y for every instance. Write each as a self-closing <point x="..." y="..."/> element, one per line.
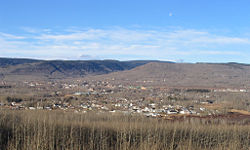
<point x="152" y="72"/>
<point x="65" y="68"/>
<point x="4" y="62"/>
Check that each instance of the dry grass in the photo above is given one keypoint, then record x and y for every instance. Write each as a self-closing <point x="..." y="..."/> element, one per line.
<point x="57" y="130"/>
<point x="240" y="111"/>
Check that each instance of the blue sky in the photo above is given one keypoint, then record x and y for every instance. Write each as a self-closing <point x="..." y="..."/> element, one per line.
<point x="177" y="30"/>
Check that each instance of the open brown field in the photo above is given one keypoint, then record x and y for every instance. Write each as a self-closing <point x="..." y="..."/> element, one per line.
<point x="57" y="130"/>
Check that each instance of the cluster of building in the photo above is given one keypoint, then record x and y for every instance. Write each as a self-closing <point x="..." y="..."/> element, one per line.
<point x="149" y="110"/>
<point x="103" y="96"/>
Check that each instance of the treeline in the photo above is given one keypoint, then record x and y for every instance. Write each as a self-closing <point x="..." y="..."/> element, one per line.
<point x="14" y="99"/>
<point x="199" y="90"/>
<point x="5" y="86"/>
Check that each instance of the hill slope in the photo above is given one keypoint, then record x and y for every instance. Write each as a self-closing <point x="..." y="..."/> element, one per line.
<point x="174" y="74"/>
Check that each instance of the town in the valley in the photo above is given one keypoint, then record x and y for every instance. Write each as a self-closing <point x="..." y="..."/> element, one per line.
<point x="109" y="96"/>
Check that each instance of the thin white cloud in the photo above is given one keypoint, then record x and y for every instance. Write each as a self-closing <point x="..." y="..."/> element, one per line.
<point x="10" y="36"/>
<point x="30" y="30"/>
<point x="85" y="35"/>
<point x="118" y="42"/>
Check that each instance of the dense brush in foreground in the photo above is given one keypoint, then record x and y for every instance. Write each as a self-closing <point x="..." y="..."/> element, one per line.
<point x="44" y="130"/>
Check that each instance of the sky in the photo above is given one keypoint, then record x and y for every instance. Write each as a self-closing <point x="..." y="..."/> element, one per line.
<point x="171" y="30"/>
